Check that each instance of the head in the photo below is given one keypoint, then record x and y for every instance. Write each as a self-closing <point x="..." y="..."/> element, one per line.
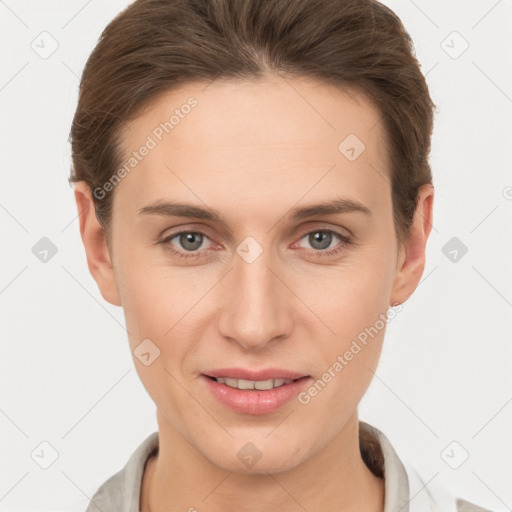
<point x="247" y="116"/>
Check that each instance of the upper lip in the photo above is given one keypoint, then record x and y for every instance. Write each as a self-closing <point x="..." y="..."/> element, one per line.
<point x="247" y="374"/>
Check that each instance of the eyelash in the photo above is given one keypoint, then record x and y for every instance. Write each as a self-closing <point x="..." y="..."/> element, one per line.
<point x="345" y="242"/>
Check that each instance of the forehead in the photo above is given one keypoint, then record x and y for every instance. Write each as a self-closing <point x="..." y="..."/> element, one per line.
<point x="258" y="138"/>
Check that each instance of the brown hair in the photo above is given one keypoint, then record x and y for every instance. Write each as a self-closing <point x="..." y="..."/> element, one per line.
<point x="154" y="46"/>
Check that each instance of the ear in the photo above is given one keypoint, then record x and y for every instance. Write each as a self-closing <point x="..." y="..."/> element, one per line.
<point x="411" y="254"/>
<point x="94" y="240"/>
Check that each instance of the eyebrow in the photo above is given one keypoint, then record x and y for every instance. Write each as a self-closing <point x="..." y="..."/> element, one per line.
<point x="180" y="209"/>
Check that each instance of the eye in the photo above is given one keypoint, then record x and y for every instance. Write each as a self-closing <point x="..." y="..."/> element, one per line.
<point x="189" y="243"/>
<point x="321" y="241"/>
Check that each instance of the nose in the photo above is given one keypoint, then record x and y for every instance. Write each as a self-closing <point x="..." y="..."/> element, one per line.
<point x="255" y="305"/>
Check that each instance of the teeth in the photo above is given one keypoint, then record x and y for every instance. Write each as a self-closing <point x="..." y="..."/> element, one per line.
<point x="251" y="384"/>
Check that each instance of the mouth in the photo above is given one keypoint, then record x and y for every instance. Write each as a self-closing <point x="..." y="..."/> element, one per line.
<point x="258" y="385"/>
<point x="255" y="397"/>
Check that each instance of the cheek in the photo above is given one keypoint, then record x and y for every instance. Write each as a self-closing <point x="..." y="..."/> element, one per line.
<point x="353" y="304"/>
<point x="354" y="307"/>
<point x="349" y="298"/>
<point x="155" y="309"/>
<point x="163" y="304"/>
<point x="152" y="293"/>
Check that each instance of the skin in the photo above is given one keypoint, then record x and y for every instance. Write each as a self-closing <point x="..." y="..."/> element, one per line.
<point x="254" y="151"/>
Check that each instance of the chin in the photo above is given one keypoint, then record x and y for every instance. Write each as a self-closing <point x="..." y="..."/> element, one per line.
<point x="251" y="460"/>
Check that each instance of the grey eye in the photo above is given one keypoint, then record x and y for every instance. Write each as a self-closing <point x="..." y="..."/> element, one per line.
<point x="320" y="240"/>
<point x="191" y="241"/>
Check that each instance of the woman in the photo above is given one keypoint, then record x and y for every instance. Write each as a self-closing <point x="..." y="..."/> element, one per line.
<point x="254" y="190"/>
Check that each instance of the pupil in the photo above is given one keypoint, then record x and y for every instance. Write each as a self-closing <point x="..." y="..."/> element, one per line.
<point x="195" y="239"/>
<point x="321" y="236"/>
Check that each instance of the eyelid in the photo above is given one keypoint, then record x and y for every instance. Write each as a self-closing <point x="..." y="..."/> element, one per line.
<point x="337" y="230"/>
<point x="184" y="231"/>
<point x="203" y="228"/>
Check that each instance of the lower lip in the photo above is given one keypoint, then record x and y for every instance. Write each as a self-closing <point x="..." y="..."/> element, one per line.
<point x="253" y="401"/>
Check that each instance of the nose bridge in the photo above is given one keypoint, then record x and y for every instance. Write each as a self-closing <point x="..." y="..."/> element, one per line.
<point x="254" y="307"/>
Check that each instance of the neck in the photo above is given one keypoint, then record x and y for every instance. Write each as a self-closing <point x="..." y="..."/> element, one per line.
<point x="336" y="478"/>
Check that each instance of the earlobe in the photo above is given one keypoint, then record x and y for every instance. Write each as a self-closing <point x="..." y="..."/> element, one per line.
<point x="411" y="257"/>
<point x="95" y="244"/>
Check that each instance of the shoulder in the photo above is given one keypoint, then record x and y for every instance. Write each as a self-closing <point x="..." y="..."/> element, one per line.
<point x="108" y="496"/>
<point x="426" y="494"/>
<point x="466" y="506"/>
<point x="405" y="488"/>
<point x="122" y="490"/>
<point x="429" y="493"/>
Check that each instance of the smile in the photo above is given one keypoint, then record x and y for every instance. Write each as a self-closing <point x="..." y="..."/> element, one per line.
<point x="261" y="385"/>
<point x="254" y="397"/>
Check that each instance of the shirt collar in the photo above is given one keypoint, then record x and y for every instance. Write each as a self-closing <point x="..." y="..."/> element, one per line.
<point x="382" y="460"/>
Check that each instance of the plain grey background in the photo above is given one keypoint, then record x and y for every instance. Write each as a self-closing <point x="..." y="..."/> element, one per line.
<point x="443" y="385"/>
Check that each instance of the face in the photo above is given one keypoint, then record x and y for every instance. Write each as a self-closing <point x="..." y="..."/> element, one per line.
<point x="252" y="276"/>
